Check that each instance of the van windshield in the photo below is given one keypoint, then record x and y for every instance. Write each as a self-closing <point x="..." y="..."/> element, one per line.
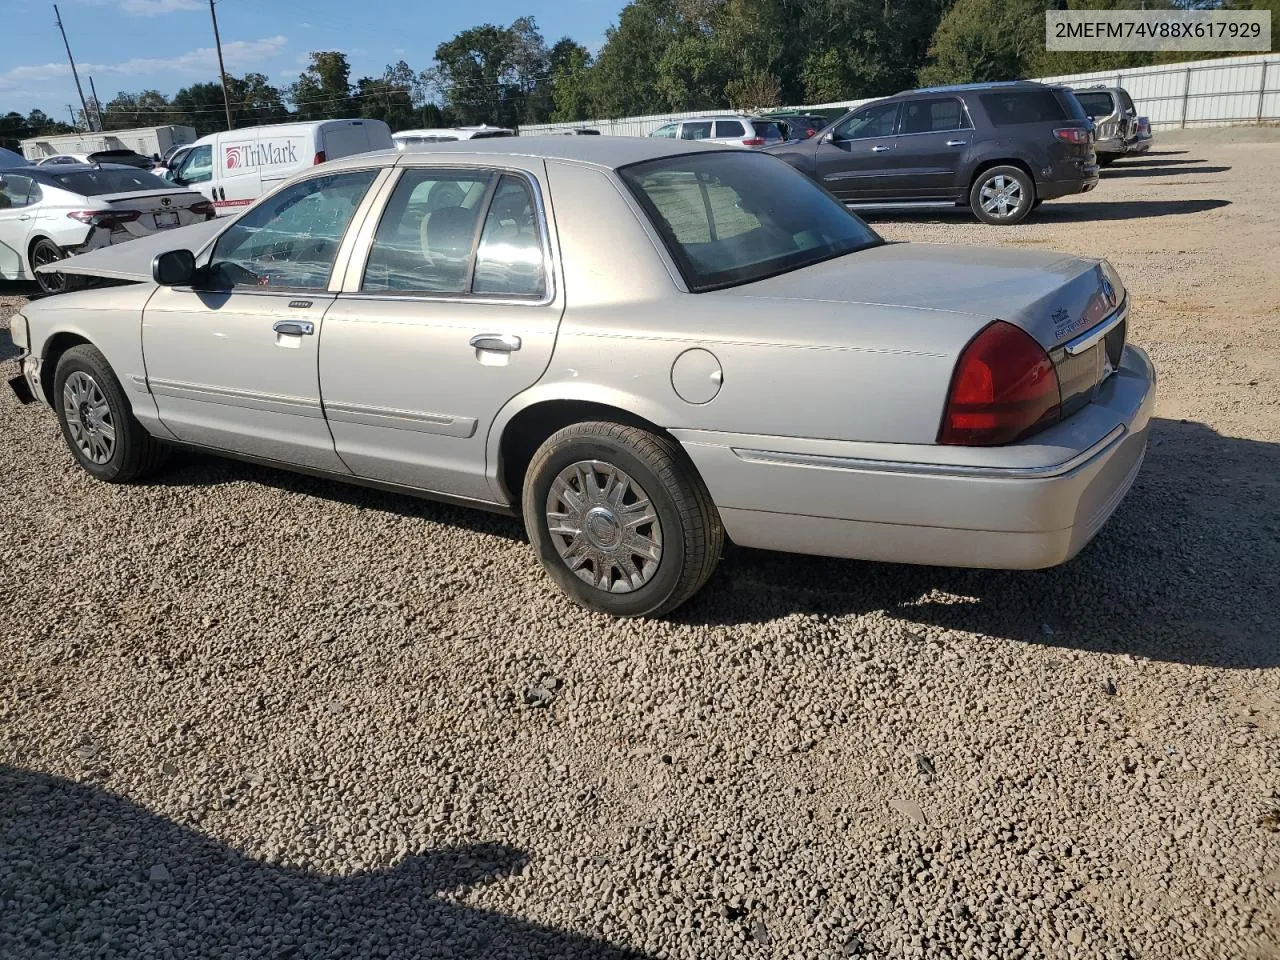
<point x="735" y="217"/>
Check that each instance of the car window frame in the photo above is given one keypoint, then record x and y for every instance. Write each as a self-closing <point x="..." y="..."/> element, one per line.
<point x="342" y="256"/>
<point x="742" y="133"/>
<point x="965" y="119"/>
<point x="362" y="240"/>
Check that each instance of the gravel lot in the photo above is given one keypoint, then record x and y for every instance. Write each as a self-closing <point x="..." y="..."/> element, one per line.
<point x="249" y="714"/>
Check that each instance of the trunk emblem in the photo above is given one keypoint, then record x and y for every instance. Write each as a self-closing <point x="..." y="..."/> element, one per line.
<point x="165" y="201"/>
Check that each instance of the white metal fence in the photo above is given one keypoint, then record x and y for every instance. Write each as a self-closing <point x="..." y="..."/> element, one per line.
<point x="1218" y="92"/>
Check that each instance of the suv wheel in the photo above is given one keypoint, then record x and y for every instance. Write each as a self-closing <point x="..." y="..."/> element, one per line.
<point x="1002" y="195"/>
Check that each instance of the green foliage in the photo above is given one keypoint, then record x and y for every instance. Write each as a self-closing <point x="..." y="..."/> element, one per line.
<point x="323" y="90"/>
<point x="756" y="90"/>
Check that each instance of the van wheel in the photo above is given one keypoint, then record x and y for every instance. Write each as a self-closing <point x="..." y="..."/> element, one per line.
<point x="619" y="519"/>
<point x="1002" y="195"/>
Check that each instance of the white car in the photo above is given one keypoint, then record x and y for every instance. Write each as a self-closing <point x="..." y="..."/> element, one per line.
<point x="414" y="138"/>
<point x="127" y="157"/>
<point x="735" y="129"/>
<point x="51" y="212"/>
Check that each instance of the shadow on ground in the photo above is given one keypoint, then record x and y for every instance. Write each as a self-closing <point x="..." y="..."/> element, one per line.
<point x="1112" y="173"/>
<point x="85" y="873"/>
<point x="1186" y="570"/>
<point x="1054" y="211"/>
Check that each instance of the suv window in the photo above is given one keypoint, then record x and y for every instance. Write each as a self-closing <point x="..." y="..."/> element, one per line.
<point x="768" y="130"/>
<point x="933" y="116"/>
<point x="1096" y="104"/>
<point x="1008" y="108"/>
<point x="695" y="131"/>
<point x="866" y="124"/>
<point x="289" y="241"/>
<point x="736" y="216"/>
<point x="667" y="131"/>
<point x="730" y="128"/>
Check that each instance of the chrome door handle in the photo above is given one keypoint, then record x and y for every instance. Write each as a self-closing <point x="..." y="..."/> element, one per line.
<point x="880" y="149"/>
<point x="25" y="216"/>
<point x="294" y="328"/>
<point x="957" y="143"/>
<point x="501" y="342"/>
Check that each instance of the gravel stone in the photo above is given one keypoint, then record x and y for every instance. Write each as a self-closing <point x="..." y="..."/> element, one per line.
<point x="510" y="777"/>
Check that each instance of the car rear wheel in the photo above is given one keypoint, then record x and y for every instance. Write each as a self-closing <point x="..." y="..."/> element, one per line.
<point x="97" y="423"/>
<point x="619" y="519"/>
<point x="44" y="252"/>
<point x="1002" y="195"/>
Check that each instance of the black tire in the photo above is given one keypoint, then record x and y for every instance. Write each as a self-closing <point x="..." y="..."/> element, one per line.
<point x="133" y="453"/>
<point x="45" y="250"/>
<point x="688" y="528"/>
<point x="1018" y="185"/>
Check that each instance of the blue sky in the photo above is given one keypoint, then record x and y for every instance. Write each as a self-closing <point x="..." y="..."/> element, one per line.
<point x="167" y="44"/>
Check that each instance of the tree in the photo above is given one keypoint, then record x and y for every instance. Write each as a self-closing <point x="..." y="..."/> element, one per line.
<point x="571" y="87"/>
<point x="499" y="75"/>
<point x="394" y="97"/>
<point x="754" y="91"/>
<point x="323" y="90"/>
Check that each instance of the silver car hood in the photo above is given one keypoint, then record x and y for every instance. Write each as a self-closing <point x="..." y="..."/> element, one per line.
<point x="1052" y="296"/>
<point x="132" y="260"/>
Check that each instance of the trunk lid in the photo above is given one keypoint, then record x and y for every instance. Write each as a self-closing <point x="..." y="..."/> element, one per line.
<point x="158" y="209"/>
<point x="1062" y="301"/>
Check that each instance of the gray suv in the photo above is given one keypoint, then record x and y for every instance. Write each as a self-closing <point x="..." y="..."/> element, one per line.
<point x="998" y="148"/>
<point x="1118" y="132"/>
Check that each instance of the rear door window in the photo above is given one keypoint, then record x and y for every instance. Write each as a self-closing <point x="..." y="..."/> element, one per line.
<point x="727" y="129"/>
<point x="933" y="116"/>
<point x="17" y="191"/>
<point x="1012" y="107"/>
<point x="699" y="130"/>
<point x="768" y="130"/>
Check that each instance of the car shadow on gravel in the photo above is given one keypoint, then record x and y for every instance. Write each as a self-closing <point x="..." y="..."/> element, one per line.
<point x="1184" y="572"/>
<point x="1058" y="211"/>
<point x="86" y="873"/>
<point x="1112" y="173"/>
<point x="190" y="468"/>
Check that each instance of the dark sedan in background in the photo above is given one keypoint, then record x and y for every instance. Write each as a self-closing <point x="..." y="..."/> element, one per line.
<point x="998" y="148"/>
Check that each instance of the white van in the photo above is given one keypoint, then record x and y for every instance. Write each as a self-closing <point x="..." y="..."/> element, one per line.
<point x="235" y="168"/>
<point x="414" y="138"/>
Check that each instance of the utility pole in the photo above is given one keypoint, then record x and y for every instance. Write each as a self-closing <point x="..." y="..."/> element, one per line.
<point x="97" y="104"/>
<point x="87" y="119"/>
<point x="222" y="70"/>
<point x="71" y="111"/>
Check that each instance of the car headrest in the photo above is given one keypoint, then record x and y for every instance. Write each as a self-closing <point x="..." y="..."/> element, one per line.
<point x="447" y="233"/>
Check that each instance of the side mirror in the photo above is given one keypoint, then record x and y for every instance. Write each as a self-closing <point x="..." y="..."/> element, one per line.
<point x="174" y="268"/>
<point x="827" y="137"/>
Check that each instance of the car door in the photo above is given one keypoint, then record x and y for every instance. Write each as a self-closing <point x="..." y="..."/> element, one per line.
<point x="453" y="311"/>
<point x="18" y="196"/>
<point x="852" y="157"/>
<point x="934" y="135"/>
<point x="233" y="361"/>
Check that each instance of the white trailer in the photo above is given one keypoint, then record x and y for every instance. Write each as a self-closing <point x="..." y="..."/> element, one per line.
<point x="144" y="140"/>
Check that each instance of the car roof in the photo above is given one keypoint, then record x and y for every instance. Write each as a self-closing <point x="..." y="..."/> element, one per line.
<point x="963" y="87"/>
<point x="605" y="152"/>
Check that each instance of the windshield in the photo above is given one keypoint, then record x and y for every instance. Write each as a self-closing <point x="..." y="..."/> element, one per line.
<point x="95" y="183"/>
<point x="733" y="217"/>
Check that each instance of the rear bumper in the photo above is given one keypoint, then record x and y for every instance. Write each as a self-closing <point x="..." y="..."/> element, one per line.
<point x="1052" y="189"/>
<point x="1030" y="505"/>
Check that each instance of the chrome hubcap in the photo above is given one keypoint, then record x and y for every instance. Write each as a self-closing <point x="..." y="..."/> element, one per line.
<point x="43" y="255"/>
<point x="89" y="419"/>
<point x="1001" y="196"/>
<point x="604" y="526"/>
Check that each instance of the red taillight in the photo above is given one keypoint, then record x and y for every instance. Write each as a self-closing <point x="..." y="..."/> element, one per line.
<point x="319" y="158"/>
<point x="203" y="208"/>
<point x="1072" y="135"/>
<point x="810" y="133"/>
<point x="753" y="142"/>
<point x="1004" y="388"/>
<point x="105" y="218"/>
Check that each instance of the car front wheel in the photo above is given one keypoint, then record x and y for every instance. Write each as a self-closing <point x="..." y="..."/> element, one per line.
<point x="97" y="423"/>
<point x="1002" y="195"/>
<point x="619" y="519"/>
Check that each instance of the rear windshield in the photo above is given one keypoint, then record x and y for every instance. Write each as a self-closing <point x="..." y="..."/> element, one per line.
<point x="1009" y="108"/>
<point x="1095" y="104"/>
<point x="734" y="217"/>
<point x="95" y="183"/>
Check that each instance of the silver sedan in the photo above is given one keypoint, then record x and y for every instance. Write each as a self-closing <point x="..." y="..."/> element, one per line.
<point x="642" y="346"/>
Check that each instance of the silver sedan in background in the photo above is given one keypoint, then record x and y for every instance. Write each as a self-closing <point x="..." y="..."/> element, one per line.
<point x="57" y="210"/>
<point x="642" y="346"/>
